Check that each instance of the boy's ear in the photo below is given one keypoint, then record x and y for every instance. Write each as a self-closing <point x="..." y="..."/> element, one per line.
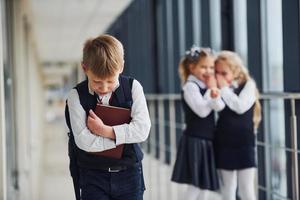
<point x="84" y="67"/>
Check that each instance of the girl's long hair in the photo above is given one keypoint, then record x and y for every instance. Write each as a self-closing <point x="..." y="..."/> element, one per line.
<point x="241" y="75"/>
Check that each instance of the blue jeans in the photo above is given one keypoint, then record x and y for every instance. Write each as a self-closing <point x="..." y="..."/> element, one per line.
<point x="103" y="185"/>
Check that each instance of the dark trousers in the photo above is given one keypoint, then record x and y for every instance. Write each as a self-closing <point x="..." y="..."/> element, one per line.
<point x="103" y="185"/>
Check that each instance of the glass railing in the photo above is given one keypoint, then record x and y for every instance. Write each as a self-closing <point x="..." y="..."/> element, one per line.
<point x="277" y="148"/>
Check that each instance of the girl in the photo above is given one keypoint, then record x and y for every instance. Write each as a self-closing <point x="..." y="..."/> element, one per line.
<point x="235" y="139"/>
<point x="195" y="163"/>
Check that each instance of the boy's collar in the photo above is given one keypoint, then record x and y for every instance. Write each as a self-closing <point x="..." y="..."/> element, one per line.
<point x="92" y="92"/>
<point x="199" y="82"/>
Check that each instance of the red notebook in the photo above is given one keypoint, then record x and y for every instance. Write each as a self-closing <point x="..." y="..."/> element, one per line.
<point x="111" y="115"/>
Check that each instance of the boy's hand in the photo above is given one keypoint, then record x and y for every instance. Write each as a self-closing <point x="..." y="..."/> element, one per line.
<point x="96" y="126"/>
<point x="94" y="123"/>
<point x="221" y="81"/>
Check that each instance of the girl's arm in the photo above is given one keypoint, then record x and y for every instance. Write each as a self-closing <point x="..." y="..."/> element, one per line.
<point x="215" y="103"/>
<point x="242" y="102"/>
<point x="195" y="100"/>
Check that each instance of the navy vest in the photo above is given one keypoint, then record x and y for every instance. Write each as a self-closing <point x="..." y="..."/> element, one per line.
<point x="235" y="130"/>
<point x="121" y="97"/>
<point x="195" y="125"/>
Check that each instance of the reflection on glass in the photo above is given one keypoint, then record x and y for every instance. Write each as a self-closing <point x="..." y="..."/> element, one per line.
<point x="240" y="29"/>
<point x="278" y="172"/>
<point x="215" y="24"/>
<point x="273" y="76"/>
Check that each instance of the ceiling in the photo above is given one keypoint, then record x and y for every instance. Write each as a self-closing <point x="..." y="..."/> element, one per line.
<point x="62" y="26"/>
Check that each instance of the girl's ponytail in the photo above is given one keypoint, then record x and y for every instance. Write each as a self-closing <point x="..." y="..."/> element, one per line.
<point x="257" y="112"/>
<point x="183" y="70"/>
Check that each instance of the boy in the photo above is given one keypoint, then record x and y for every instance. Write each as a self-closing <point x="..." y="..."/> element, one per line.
<point x="104" y="177"/>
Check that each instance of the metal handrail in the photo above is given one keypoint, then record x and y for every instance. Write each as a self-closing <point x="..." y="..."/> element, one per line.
<point x="264" y="96"/>
<point x="267" y="95"/>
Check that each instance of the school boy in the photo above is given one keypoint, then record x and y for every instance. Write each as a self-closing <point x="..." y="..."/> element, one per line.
<point x="104" y="177"/>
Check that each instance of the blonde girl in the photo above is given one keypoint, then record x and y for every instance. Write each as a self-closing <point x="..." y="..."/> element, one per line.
<point x="236" y="125"/>
<point x="195" y="163"/>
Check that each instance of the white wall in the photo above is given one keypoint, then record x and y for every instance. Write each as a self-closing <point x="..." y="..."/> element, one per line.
<point x="29" y="103"/>
<point x="2" y="122"/>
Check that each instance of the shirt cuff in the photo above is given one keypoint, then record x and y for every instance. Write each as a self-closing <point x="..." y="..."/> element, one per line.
<point x="108" y="143"/>
<point x="120" y="132"/>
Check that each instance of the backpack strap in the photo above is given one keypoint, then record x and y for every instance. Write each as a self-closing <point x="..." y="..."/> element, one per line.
<point x="123" y="93"/>
<point x="87" y="100"/>
<point x="67" y="115"/>
<point x="127" y="82"/>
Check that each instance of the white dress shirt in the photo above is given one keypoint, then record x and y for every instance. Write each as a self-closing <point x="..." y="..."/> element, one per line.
<point x="134" y="132"/>
<point x="242" y="102"/>
<point x="201" y="105"/>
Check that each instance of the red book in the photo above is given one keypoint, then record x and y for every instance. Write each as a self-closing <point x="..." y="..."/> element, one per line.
<point x="111" y="115"/>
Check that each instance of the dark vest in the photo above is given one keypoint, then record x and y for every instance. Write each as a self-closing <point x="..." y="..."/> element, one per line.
<point x="235" y="130"/>
<point x="121" y="97"/>
<point x="195" y="125"/>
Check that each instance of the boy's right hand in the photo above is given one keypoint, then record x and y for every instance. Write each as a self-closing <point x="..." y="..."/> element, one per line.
<point x="94" y="123"/>
<point x="97" y="127"/>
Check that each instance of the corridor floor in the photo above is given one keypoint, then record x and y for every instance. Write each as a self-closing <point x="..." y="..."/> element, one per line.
<point x="56" y="182"/>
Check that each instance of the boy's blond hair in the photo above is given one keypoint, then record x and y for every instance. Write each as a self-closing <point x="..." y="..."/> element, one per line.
<point x="241" y="75"/>
<point x="103" y="55"/>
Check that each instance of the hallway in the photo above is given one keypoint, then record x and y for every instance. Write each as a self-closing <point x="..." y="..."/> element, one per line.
<point x="56" y="182"/>
<point x="41" y="43"/>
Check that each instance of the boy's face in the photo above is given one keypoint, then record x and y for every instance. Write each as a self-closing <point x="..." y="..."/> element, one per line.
<point x="102" y="86"/>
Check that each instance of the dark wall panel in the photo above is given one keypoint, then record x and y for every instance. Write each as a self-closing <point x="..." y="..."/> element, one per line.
<point x="188" y="13"/>
<point x="291" y="68"/>
<point x="227" y="24"/>
<point x="135" y="28"/>
<point x="205" y="25"/>
<point x="254" y="41"/>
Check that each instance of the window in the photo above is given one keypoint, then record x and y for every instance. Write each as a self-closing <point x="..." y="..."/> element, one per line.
<point x="240" y="28"/>
<point x="215" y="24"/>
<point x="276" y="174"/>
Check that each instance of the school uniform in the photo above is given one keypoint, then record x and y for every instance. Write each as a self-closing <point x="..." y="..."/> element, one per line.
<point x="103" y="177"/>
<point x="235" y="138"/>
<point x="195" y="163"/>
<point x="235" y="142"/>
